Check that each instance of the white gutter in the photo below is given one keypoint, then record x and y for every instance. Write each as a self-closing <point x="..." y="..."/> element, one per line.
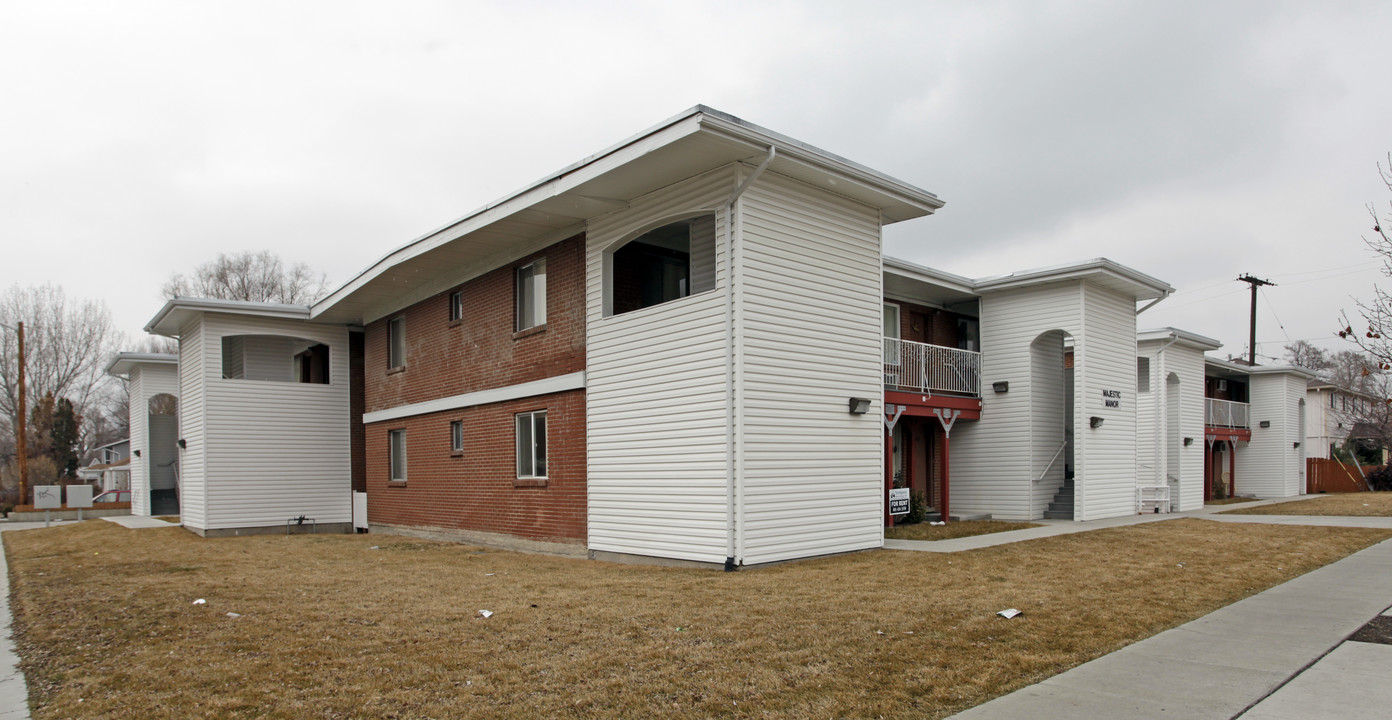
<point x="733" y="478"/>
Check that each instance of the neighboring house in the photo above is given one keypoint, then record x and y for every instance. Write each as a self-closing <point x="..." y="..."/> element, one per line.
<point x="110" y="466"/>
<point x="153" y="382"/>
<point x="1255" y="418"/>
<point x="1170" y="433"/>
<point x="1333" y="416"/>
<point x="688" y="346"/>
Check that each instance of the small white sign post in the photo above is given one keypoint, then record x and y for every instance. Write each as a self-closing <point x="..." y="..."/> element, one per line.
<point x="48" y="498"/>
<point x="79" y="496"/>
<point x="899" y="501"/>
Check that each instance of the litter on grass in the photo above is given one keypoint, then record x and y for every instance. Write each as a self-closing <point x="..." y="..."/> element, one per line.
<point x="200" y="601"/>
<point x="234" y="615"/>
<point x="486" y="613"/>
<point x="1007" y="614"/>
<point x="936" y="522"/>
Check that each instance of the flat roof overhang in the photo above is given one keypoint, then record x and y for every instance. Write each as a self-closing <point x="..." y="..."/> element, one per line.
<point x="694" y="142"/>
<point x="123" y="363"/>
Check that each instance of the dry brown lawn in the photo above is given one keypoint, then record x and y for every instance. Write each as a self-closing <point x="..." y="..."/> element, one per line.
<point x="329" y="627"/>
<point x="968" y="528"/>
<point x="1364" y="504"/>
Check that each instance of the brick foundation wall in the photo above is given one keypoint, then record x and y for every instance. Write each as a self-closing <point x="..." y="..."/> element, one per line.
<point x="478" y="488"/>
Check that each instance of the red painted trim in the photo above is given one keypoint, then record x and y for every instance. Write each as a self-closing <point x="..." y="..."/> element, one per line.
<point x="916" y="405"/>
<point x="1236" y="434"/>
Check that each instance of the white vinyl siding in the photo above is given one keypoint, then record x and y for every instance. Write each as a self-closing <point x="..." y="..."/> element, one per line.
<point x="1105" y="360"/>
<point x="809" y="339"/>
<point x="1161" y="456"/>
<point x="197" y="361"/>
<point x="268" y="450"/>
<point x="1270" y="465"/>
<point x="996" y="459"/>
<point x="655" y="396"/>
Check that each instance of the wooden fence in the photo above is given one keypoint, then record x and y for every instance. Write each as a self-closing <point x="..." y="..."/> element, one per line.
<point x="1323" y="475"/>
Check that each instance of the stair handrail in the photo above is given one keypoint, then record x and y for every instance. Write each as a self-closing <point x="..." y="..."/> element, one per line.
<point x="1054" y="460"/>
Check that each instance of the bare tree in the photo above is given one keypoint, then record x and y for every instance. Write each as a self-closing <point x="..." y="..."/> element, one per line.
<point x="253" y="276"/>
<point x="1376" y="313"/>
<point x="1304" y="355"/>
<point x="67" y="342"/>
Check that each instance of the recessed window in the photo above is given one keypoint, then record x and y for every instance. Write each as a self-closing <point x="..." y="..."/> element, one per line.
<point x="1143" y="374"/>
<point x="531" y="295"/>
<point x="456" y="306"/>
<point x="665" y="264"/>
<point x="396" y="451"/>
<point x="531" y="444"/>
<point x="275" y="358"/>
<point x="396" y="342"/>
<point x="457" y="436"/>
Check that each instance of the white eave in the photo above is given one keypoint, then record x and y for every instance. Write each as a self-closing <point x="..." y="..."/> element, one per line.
<point x="1183" y="338"/>
<point x="123" y="363"/>
<point x="696" y="141"/>
<point x="1228" y="368"/>
<point x="1101" y="271"/>
<point x="177" y="312"/>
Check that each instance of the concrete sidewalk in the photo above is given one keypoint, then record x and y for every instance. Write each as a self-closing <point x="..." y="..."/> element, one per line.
<point x="1051" y="528"/>
<point x="1279" y="654"/>
<point x="14" y="692"/>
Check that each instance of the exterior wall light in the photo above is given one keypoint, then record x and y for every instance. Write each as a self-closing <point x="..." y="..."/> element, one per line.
<point x="1001" y="387"/>
<point x="1266" y="423"/>
<point x="1095" y="422"/>
<point x="860" y="406"/>
<point x="137" y="453"/>
<point x="1297" y="444"/>
<point x="1188" y="442"/>
<point x="182" y="444"/>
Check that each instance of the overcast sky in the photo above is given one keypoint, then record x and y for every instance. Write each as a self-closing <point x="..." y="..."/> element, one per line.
<point x="1194" y="141"/>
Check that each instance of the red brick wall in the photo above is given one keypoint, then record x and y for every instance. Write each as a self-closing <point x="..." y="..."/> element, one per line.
<point x="482" y="351"/>
<point x="942" y="324"/>
<point x="478" y="488"/>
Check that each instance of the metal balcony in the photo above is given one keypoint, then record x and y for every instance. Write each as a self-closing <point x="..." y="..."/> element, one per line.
<point x="1227" y="414"/>
<point x="922" y="368"/>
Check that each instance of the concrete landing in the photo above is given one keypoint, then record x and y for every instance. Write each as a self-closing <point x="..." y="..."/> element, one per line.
<point x="140" y="521"/>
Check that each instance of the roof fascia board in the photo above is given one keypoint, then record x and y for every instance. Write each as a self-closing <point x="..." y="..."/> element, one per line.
<point x="184" y="306"/>
<point x="822" y="160"/>
<point x="932" y="276"/>
<point x="1086" y="270"/>
<point x="124" y="362"/>
<point x="1182" y="337"/>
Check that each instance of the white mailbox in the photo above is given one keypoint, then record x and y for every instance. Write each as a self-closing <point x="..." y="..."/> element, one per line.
<point x="79" y="496"/>
<point x="48" y="497"/>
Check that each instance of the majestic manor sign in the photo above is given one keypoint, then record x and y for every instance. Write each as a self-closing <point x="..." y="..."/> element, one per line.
<point x="1111" y="398"/>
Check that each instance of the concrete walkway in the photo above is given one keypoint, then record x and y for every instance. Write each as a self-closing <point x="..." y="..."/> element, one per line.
<point x="1051" y="528"/>
<point x="1279" y="654"/>
<point x="139" y="521"/>
<point x="14" y="692"/>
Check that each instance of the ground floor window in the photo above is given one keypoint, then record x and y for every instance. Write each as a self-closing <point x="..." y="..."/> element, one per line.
<point x="397" y="452"/>
<point x="531" y="444"/>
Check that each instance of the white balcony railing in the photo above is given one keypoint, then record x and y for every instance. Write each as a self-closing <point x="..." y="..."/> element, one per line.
<point x="1226" y="414"/>
<point x="919" y="367"/>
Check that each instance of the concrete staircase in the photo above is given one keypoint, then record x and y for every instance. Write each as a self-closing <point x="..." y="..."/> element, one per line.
<point x="1061" y="507"/>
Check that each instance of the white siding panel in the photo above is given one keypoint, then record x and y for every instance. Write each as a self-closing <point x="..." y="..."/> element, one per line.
<point x="1105" y="360"/>
<point x="1161" y="456"/>
<point x="810" y="339"/>
<point x="655" y="395"/>
<point x="994" y="461"/>
<point x="196" y="353"/>
<point x="275" y="450"/>
<point x="1269" y="466"/>
<point x="138" y="424"/>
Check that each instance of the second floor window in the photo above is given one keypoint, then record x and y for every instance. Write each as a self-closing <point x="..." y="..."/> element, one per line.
<point x="396" y="451"/>
<point x="396" y="342"/>
<point x="457" y="436"/>
<point x="531" y="295"/>
<point x="456" y="306"/>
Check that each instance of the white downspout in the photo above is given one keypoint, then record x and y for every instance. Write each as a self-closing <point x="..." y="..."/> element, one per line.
<point x="733" y="460"/>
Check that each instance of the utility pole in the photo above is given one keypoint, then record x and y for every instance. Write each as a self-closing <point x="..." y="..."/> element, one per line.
<point x="1252" y="339"/>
